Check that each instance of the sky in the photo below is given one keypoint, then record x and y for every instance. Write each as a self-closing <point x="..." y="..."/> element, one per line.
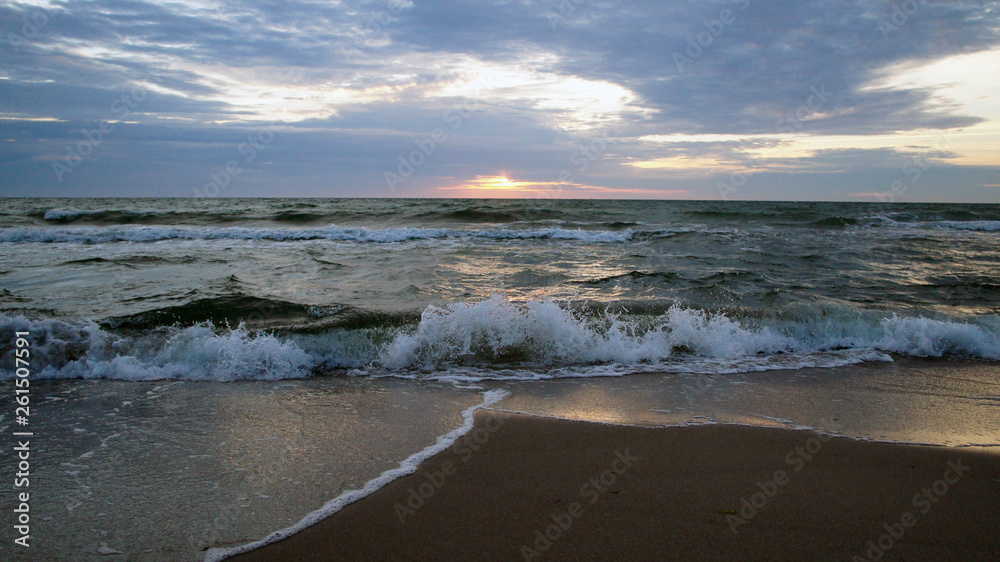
<point x="865" y="100"/>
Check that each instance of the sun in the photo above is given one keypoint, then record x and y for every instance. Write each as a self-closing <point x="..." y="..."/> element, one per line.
<point x="504" y="187"/>
<point x="497" y="182"/>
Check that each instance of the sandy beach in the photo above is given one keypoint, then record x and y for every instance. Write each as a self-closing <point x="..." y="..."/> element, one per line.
<point x="491" y="280"/>
<point x="529" y="488"/>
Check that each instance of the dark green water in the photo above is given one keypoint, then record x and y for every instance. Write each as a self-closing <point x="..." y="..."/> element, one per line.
<point x="229" y="289"/>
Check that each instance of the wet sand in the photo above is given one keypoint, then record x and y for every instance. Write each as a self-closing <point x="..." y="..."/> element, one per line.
<point x="530" y="488"/>
<point x="163" y="470"/>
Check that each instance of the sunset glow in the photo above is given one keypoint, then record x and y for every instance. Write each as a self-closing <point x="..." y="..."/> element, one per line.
<point x="498" y="182"/>
<point x="503" y="187"/>
<point x="585" y="100"/>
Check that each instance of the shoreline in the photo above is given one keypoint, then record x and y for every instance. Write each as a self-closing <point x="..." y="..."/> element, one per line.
<point x="267" y="454"/>
<point x="407" y="466"/>
<point x="523" y="487"/>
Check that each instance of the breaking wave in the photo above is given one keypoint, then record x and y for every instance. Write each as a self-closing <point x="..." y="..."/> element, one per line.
<point x="497" y="338"/>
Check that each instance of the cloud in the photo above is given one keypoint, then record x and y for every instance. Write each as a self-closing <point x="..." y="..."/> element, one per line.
<point x="529" y="84"/>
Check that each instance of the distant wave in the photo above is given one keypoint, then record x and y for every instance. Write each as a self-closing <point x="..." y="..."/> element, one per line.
<point x="906" y="220"/>
<point x="124" y="217"/>
<point x="489" y="214"/>
<point x="68" y="214"/>
<point x="90" y="235"/>
<point x="491" y="339"/>
<point x="447" y="215"/>
<point x="984" y="226"/>
<point x="835" y="222"/>
<point x="298" y="217"/>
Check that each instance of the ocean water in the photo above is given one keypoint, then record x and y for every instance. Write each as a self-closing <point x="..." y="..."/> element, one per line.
<point x="207" y="372"/>
<point x="268" y="289"/>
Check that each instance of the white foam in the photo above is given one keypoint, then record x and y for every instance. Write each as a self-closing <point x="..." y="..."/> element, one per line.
<point x="83" y="350"/>
<point x="408" y="466"/>
<point x="91" y="235"/>
<point x="927" y="337"/>
<point x="692" y="366"/>
<point x="538" y="331"/>
<point x="503" y="340"/>
<point x="544" y="334"/>
<point x="984" y="226"/>
<point x="890" y="221"/>
<point x="560" y="234"/>
<point x="63" y="214"/>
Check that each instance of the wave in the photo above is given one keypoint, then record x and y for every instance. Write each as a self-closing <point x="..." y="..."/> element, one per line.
<point x="661" y="276"/>
<point x="124" y="216"/>
<point x="980" y="225"/>
<point x="258" y="313"/>
<point x="233" y="308"/>
<point x="298" y="217"/>
<point x="138" y="260"/>
<point x="499" y="339"/>
<point x="83" y="350"/>
<point x="67" y="215"/>
<point x="844" y="216"/>
<point x="906" y="220"/>
<point x="493" y="215"/>
<point x="84" y="235"/>
<point x="296" y="214"/>
<point x="835" y="222"/>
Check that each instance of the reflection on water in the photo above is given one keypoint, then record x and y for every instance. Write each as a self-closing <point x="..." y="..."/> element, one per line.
<point x="165" y="470"/>
<point x="926" y="257"/>
<point x="937" y="402"/>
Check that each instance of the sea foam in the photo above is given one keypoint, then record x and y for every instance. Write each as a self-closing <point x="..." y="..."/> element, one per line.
<point x="95" y="235"/>
<point x="201" y="352"/>
<point x="982" y="226"/>
<point x="406" y="466"/>
<point x="67" y="214"/>
<point x="500" y="339"/>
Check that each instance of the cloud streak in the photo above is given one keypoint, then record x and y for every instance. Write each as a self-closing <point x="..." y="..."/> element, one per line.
<point x="355" y="84"/>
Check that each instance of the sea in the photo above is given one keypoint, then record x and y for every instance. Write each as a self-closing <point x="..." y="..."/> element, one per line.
<point x="208" y="371"/>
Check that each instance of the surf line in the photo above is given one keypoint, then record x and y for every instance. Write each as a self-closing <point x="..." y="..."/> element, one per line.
<point x="408" y="466"/>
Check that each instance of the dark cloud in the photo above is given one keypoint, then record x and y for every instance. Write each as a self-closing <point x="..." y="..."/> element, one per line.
<point x="757" y="66"/>
<point x="762" y="67"/>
